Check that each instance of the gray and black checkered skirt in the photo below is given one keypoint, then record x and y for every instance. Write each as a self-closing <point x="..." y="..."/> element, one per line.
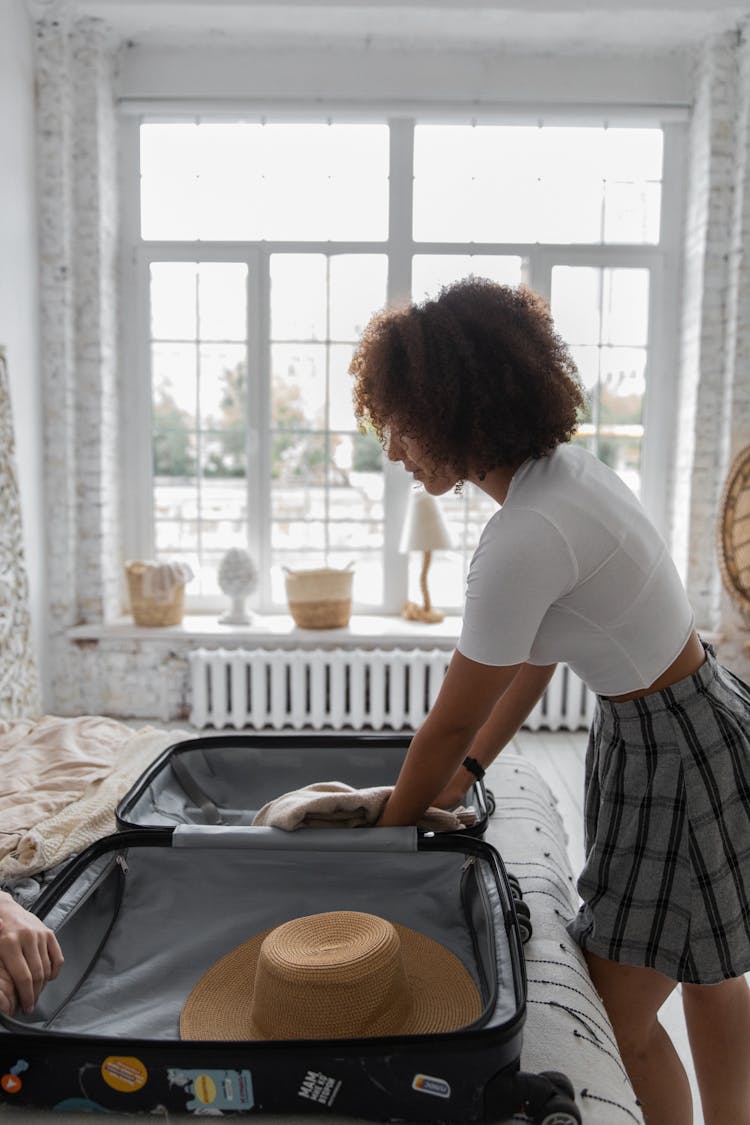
<point x="666" y="883"/>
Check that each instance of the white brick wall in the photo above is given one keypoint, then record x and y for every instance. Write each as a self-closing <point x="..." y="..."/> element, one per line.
<point x="714" y="420"/>
<point x="78" y="220"/>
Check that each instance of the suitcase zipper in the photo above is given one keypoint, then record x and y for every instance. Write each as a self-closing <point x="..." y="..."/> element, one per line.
<point x="488" y="984"/>
<point x="121" y="866"/>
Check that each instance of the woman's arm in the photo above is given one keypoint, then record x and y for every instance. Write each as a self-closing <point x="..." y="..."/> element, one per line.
<point x="467" y="696"/>
<point x="29" y="956"/>
<point x="512" y="708"/>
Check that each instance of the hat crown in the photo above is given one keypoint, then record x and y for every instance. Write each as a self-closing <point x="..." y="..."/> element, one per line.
<point x="330" y="975"/>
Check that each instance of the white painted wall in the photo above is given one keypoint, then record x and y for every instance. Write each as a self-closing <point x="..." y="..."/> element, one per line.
<point x="19" y="315"/>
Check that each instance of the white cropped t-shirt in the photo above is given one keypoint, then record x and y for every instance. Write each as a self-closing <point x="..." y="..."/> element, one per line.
<point x="571" y="570"/>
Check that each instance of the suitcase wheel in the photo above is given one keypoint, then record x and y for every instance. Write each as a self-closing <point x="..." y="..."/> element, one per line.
<point x="523" y="914"/>
<point x="561" y="1082"/>
<point x="560" y="1108"/>
<point x="559" y="1111"/>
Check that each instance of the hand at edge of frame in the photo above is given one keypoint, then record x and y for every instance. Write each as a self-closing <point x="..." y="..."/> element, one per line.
<point x="30" y="954"/>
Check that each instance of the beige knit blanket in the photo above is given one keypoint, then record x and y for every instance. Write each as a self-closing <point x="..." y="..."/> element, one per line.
<point x="60" y="782"/>
<point x="334" y="804"/>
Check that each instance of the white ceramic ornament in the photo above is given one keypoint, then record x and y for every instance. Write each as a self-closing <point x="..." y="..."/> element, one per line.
<point x="237" y="577"/>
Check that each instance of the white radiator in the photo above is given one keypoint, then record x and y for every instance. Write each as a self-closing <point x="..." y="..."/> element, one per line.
<point x="339" y="688"/>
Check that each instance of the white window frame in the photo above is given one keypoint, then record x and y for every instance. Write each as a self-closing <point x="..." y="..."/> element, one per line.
<point x="662" y="261"/>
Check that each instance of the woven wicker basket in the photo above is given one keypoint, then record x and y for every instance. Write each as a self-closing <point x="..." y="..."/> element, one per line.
<point x="149" y="611"/>
<point x="733" y="534"/>
<point x="321" y="598"/>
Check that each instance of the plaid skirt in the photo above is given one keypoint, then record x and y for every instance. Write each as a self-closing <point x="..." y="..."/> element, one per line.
<point x="666" y="882"/>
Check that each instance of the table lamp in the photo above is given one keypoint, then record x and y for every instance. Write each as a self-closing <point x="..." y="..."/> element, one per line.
<point x="425" y="530"/>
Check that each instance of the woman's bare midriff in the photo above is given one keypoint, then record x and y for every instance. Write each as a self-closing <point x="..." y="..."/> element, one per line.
<point x="689" y="660"/>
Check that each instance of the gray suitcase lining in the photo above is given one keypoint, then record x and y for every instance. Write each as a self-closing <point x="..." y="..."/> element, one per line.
<point x="183" y="908"/>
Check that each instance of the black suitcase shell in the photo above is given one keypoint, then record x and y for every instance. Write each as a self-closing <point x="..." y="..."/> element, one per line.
<point x="225" y="779"/>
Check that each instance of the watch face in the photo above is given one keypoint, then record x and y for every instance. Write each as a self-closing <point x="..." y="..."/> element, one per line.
<point x="734" y="533"/>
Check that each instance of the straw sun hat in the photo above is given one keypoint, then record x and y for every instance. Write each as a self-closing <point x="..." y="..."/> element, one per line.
<point x="337" y="975"/>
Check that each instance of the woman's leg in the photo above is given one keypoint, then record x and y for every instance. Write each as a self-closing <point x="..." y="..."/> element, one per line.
<point x="632" y="997"/>
<point x="718" y="1024"/>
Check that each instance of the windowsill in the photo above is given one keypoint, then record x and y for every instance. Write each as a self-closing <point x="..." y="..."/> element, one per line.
<point x="281" y="632"/>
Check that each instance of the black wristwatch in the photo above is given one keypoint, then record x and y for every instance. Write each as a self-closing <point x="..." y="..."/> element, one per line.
<point x="473" y="766"/>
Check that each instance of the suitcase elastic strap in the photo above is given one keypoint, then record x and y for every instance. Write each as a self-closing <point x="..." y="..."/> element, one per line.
<point x="193" y="790"/>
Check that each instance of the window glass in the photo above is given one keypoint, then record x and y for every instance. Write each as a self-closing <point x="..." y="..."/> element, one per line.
<point x="547" y="184"/>
<point x="602" y="313"/>
<point x="326" y="477"/>
<point x="240" y="181"/>
<point x="199" y="412"/>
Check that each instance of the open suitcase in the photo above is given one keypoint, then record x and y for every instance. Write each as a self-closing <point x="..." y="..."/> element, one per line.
<point x="143" y="914"/>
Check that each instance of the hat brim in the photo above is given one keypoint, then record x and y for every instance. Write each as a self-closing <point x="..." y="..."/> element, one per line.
<point x="444" y="996"/>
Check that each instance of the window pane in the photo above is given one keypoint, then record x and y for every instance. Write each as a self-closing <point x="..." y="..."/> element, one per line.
<point x="632" y="212"/>
<point x="239" y="181"/>
<point x="443" y="159"/>
<point x="493" y="183"/>
<point x="341" y="409"/>
<point x="298" y="389"/>
<point x="223" y="455"/>
<point x="357" y="288"/>
<point x="367" y="585"/>
<point x="169" y="181"/>
<point x="300" y="459"/>
<point x="608" y="309"/>
<point x="429" y="272"/>
<point x="587" y="362"/>
<point x="570" y="173"/>
<point x="623" y="385"/>
<point x="298" y="296"/>
<point x="299" y="535"/>
<point x="327" y="490"/>
<point x="222" y="381"/>
<point x="174" y="381"/>
<point x="222" y="300"/>
<point x="633" y="170"/>
<point x="625" y="306"/>
<point x="623" y="454"/>
<point x="173" y="300"/>
<point x="576" y="303"/>
<point x="199" y="392"/>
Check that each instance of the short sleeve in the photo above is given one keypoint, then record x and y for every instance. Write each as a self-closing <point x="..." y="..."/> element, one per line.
<point x="522" y="565"/>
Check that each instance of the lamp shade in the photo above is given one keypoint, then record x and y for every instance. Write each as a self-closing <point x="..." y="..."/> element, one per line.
<point x="425" y="528"/>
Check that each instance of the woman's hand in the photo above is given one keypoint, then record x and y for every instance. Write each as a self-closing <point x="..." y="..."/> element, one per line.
<point x="8" y="998"/>
<point x="29" y="956"/>
<point x="455" y="791"/>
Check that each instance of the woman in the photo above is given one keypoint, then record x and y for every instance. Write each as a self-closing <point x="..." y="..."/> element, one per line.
<point x="29" y="956"/>
<point x="477" y="386"/>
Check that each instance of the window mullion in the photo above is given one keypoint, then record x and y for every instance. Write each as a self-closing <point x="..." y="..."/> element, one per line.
<point x="660" y="433"/>
<point x="400" y="250"/>
<point x="258" y="439"/>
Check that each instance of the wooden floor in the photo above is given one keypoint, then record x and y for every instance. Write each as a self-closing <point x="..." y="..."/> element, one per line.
<point x="560" y="758"/>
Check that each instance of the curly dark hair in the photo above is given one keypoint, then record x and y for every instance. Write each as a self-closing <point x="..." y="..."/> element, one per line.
<point x="478" y="375"/>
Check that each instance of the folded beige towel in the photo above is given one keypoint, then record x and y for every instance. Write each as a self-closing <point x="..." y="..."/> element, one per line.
<point x="333" y="804"/>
